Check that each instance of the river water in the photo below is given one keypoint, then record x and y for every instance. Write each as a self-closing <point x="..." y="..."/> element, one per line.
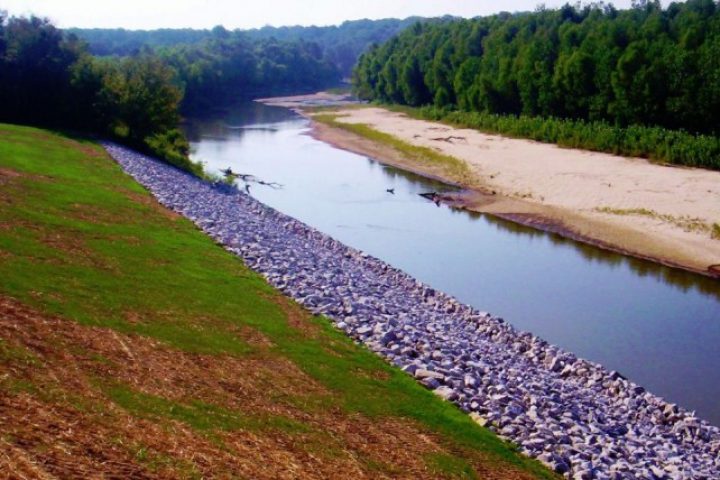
<point x="658" y="326"/>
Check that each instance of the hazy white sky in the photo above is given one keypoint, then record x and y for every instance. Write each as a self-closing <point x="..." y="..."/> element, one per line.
<point x="148" y="14"/>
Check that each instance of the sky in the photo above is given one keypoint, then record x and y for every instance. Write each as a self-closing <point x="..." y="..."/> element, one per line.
<point x="150" y="14"/>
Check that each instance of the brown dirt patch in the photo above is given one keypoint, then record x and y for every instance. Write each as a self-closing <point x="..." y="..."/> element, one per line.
<point x="8" y="173"/>
<point x="65" y="242"/>
<point x="89" y="150"/>
<point x="72" y="245"/>
<point x="53" y="441"/>
<point x="56" y="420"/>
<point x="150" y="202"/>
<point x="9" y="179"/>
<point x="92" y="214"/>
<point x="295" y="314"/>
<point x="17" y="185"/>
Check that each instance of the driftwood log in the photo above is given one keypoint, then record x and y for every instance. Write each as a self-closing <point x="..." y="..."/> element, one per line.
<point x="248" y="178"/>
<point x="432" y="196"/>
<point x="448" y="139"/>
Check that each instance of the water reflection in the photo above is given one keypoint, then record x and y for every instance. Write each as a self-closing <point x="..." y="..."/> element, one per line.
<point x="682" y="279"/>
<point x="657" y="325"/>
<point x="428" y="184"/>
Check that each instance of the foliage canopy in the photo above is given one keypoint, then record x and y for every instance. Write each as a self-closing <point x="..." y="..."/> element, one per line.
<point x="642" y="67"/>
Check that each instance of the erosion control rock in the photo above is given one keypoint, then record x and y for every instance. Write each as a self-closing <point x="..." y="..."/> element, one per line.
<point x="580" y="419"/>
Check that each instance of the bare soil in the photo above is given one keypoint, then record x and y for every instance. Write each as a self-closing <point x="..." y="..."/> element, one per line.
<point x="56" y="420"/>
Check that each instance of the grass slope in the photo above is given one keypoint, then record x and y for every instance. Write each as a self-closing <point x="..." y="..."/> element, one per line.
<point x="132" y="345"/>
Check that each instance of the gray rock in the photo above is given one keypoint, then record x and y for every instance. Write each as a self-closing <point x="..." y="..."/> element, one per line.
<point x="431" y="383"/>
<point x="446" y="393"/>
<point x="388" y="337"/>
<point x="421" y="373"/>
<point x="589" y="420"/>
<point x="411" y="369"/>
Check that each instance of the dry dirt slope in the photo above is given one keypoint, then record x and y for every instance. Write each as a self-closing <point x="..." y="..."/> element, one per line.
<point x="131" y="346"/>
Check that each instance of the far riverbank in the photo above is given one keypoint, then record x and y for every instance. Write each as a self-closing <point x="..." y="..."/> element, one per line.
<point x="629" y="205"/>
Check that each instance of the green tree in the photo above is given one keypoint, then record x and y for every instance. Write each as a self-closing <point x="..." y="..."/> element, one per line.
<point x="34" y="79"/>
<point x="645" y="65"/>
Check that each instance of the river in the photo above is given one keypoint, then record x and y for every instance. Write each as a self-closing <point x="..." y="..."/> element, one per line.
<point x="658" y="326"/>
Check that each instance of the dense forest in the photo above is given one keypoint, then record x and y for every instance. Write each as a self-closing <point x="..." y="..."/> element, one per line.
<point x="339" y="45"/>
<point x="225" y="68"/>
<point x="48" y="77"/>
<point x="644" y="81"/>
<point x="600" y="68"/>
<point x="342" y="44"/>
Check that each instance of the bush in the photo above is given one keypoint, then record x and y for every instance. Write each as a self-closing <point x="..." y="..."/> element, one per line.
<point x="173" y="147"/>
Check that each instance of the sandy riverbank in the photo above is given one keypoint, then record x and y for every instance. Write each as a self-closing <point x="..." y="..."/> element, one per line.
<point x="630" y="205"/>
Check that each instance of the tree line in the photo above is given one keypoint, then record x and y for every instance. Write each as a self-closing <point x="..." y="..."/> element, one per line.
<point x="49" y="78"/>
<point x="591" y="65"/>
<point x="225" y="68"/>
<point x="340" y="45"/>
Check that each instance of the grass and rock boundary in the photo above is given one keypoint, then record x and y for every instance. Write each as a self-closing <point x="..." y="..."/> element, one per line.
<point x="573" y="415"/>
<point x="133" y="346"/>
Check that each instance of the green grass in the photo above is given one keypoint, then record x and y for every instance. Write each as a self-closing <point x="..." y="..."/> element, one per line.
<point x="450" y="467"/>
<point x="196" y="414"/>
<point x="10" y="353"/>
<point x="80" y="239"/>
<point x="687" y="223"/>
<point x="451" y="166"/>
<point x="157" y="462"/>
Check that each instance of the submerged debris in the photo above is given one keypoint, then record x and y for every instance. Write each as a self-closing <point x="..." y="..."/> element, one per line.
<point x="571" y="414"/>
<point x="248" y="179"/>
<point x="432" y="196"/>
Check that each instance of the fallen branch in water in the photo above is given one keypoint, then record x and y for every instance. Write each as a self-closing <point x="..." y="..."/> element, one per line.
<point x="432" y="196"/>
<point x="248" y="178"/>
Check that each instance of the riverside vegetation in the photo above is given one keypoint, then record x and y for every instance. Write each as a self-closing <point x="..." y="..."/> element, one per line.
<point x="49" y="78"/>
<point x="131" y="344"/>
<point x="341" y="45"/>
<point x="640" y="82"/>
<point x="451" y="166"/>
<point x="654" y="143"/>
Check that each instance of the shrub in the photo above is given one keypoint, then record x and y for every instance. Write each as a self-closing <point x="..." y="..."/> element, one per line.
<point x="655" y="143"/>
